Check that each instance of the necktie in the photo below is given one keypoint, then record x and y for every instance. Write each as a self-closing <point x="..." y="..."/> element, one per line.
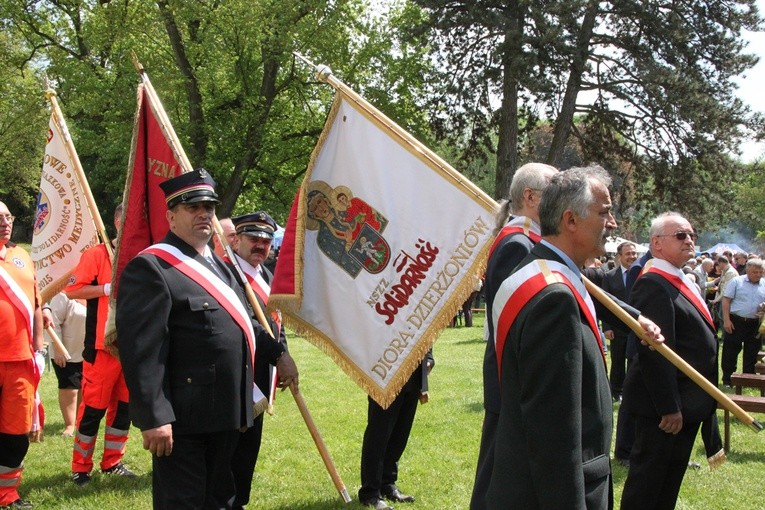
<point x="214" y="266"/>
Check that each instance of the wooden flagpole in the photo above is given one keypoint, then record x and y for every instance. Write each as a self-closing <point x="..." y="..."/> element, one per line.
<point x="672" y="357"/>
<point x="57" y="343"/>
<point x="177" y="148"/>
<point x="324" y="74"/>
<point x="83" y="180"/>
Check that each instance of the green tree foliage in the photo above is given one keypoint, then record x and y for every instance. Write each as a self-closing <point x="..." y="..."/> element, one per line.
<point x="749" y="193"/>
<point x="645" y="87"/>
<point x="242" y="105"/>
<point x="23" y="125"/>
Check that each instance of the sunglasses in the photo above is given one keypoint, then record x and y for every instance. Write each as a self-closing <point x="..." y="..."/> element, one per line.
<point x="681" y="236"/>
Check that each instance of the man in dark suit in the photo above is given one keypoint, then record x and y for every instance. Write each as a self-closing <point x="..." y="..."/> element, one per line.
<point x="254" y="234"/>
<point x="625" y="423"/>
<point x="614" y="283"/>
<point x="667" y="405"/>
<point x="517" y="232"/>
<point x="187" y="345"/>
<point x="554" y="432"/>
<point x="385" y="440"/>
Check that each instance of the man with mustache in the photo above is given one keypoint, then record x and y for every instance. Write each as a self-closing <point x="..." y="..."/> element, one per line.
<point x="254" y="234"/>
<point x="21" y="339"/>
<point x="188" y="345"/>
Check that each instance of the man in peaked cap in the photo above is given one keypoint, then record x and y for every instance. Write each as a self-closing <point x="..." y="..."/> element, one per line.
<point x="188" y="343"/>
<point x="255" y="232"/>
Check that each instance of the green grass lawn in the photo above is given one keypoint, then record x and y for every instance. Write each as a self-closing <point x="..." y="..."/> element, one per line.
<point x="438" y="465"/>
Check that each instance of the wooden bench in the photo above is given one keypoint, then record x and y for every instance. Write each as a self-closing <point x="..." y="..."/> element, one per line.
<point x="759" y="367"/>
<point x="747" y="403"/>
<point x="740" y="381"/>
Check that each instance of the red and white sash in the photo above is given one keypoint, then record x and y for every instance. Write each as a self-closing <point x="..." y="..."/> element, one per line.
<point x="263" y="290"/>
<point x="19" y="299"/>
<point x="211" y="283"/>
<point x="517" y="290"/>
<point x="256" y="280"/>
<point x="681" y="285"/>
<point x="518" y="225"/>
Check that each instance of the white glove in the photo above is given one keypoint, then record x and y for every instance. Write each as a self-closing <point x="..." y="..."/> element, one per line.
<point x="40" y="361"/>
<point x="107" y="289"/>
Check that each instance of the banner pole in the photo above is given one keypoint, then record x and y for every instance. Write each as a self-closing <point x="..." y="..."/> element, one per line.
<point x="57" y="343"/>
<point x="325" y="456"/>
<point x="83" y="180"/>
<point x="672" y="357"/>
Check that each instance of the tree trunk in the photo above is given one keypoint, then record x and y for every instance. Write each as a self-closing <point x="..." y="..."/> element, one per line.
<point x="254" y="138"/>
<point x="507" y="145"/>
<point x="566" y="116"/>
<point x="196" y="126"/>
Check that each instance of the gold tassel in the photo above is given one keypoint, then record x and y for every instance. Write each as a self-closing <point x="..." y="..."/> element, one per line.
<point x="717" y="460"/>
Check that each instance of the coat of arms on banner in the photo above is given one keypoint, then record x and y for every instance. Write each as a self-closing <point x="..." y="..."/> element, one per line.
<point x="349" y="229"/>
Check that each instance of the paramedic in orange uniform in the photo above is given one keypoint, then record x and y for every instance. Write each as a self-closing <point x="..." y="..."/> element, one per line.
<point x="20" y="337"/>
<point x="103" y="386"/>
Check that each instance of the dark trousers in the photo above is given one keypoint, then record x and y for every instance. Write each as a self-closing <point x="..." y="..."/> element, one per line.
<point x="485" y="461"/>
<point x="244" y="460"/>
<point x="625" y="430"/>
<point x="657" y="465"/>
<point x="625" y="434"/>
<point x="385" y="440"/>
<point x="710" y="434"/>
<point x="197" y="475"/>
<point x="618" y="354"/>
<point x="744" y="334"/>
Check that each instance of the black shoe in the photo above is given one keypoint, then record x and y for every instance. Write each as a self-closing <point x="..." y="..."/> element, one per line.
<point x="19" y="503"/>
<point x="396" y="495"/>
<point x="81" y="479"/>
<point x="119" y="470"/>
<point x="377" y="504"/>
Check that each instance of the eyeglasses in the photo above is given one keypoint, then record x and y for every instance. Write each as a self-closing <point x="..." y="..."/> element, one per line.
<point x="7" y="217"/>
<point x="681" y="236"/>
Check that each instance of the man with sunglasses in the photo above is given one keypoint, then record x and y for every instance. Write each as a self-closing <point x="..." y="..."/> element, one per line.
<point x="667" y="405"/>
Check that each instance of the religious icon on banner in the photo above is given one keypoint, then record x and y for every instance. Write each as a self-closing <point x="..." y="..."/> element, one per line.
<point x="349" y="229"/>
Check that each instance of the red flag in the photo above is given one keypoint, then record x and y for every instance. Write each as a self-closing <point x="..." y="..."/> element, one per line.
<point x="152" y="161"/>
<point x="286" y="270"/>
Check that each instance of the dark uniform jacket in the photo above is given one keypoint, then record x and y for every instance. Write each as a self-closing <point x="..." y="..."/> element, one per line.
<point x="263" y="361"/>
<point x="554" y="431"/>
<point x="614" y="285"/>
<point x="507" y="255"/>
<point x="654" y="387"/>
<point x="185" y="360"/>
